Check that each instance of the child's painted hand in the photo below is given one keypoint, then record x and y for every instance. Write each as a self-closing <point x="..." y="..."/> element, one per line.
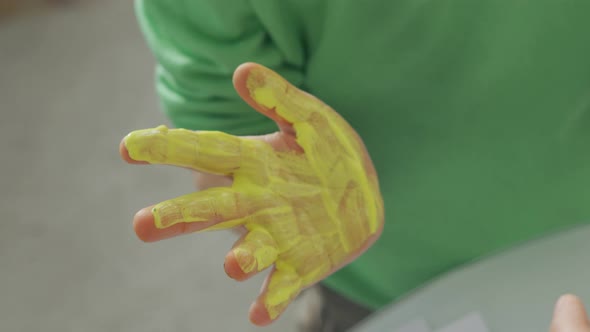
<point x="308" y="195"/>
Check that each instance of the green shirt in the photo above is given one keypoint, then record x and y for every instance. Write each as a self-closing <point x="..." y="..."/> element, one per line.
<point x="476" y="113"/>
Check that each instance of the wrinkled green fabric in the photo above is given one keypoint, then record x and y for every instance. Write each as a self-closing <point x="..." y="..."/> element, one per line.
<point x="476" y="113"/>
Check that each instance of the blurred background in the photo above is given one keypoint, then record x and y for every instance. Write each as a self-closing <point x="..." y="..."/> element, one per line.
<point x="75" y="77"/>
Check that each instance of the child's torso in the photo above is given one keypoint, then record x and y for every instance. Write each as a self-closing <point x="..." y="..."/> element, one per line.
<point x="476" y="114"/>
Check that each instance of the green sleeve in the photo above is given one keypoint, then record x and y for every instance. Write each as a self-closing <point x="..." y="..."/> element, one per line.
<point x="198" y="44"/>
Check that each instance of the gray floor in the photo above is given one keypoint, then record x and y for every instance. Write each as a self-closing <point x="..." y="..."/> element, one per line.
<point x="72" y="84"/>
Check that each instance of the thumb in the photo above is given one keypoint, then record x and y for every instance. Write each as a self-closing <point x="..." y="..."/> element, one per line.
<point x="569" y="315"/>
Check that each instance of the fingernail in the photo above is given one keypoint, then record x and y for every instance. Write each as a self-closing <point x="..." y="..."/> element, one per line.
<point x="245" y="259"/>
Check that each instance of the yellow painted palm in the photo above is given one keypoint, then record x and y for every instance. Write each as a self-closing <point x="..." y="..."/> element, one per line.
<point x="308" y="195"/>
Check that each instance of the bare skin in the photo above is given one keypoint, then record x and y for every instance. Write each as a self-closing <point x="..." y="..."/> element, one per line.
<point x="570" y="315"/>
<point x="307" y="195"/>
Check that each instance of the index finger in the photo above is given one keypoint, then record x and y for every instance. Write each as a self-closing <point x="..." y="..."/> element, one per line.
<point x="206" y="151"/>
<point x="294" y="110"/>
<point x="272" y="95"/>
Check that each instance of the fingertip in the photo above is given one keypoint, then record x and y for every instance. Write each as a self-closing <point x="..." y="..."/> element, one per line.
<point x="242" y="71"/>
<point x="569" y="312"/>
<point x="259" y="315"/>
<point x="233" y="269"/>
<point x="252" y="75"/>
<point x="568" y="301"/>
<point x="144" y="226"/>
<point x="124" y="153"/>
<point x="146" y="230"/>
<point x="240" y="81"/>
<point x="568" y="298"/>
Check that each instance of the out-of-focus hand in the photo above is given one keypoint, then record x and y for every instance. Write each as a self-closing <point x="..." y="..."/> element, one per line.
<point x="308" y="195"/>
<point x="570" y="315"/>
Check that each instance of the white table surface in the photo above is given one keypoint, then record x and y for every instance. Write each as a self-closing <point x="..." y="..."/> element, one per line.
<point x="512" y="291"/>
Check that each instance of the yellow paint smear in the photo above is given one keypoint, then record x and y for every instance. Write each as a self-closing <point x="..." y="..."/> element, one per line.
<point x="257" y="251"/>
<point x="307" y="213"/>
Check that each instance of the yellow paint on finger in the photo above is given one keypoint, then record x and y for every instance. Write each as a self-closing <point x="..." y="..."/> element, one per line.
<point x="257" y="251"/>
<point x="283" y="287"/>
<point x="216" y="206"/>
<point x="205" y="151"/>
<point x="245" y="259"/>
